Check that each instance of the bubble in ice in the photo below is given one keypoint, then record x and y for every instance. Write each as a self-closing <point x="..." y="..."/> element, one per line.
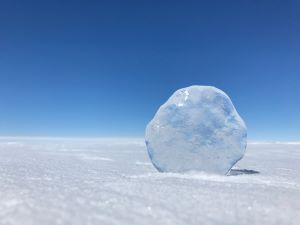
<point x="197" y="129"/>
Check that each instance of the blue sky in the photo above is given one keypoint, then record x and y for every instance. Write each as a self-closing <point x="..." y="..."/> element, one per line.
<point x="102" y="68"/>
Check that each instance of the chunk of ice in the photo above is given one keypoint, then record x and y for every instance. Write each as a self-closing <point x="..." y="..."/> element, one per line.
<point x="197" y="129"/>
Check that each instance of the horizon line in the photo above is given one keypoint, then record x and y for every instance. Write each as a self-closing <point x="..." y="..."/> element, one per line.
<point x="3" y="137"/>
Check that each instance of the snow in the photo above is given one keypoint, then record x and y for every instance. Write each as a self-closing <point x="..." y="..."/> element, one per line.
<point x="112" y="181"/>
<point x="197" y="129"/>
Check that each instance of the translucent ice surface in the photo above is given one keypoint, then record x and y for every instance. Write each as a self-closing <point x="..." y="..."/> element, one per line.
<point x="197" y="129"/>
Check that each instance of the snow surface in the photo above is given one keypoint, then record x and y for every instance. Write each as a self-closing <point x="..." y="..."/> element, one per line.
<point x="112" y="181"/>
<point x="196" y="129"/>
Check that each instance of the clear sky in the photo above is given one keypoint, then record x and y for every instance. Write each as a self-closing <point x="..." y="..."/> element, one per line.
<point x="102" y="68"/>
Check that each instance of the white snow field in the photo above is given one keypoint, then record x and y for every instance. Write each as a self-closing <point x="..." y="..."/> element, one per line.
<point x="112" y="181"/>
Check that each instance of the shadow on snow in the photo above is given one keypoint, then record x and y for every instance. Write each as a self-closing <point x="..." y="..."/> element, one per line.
<point x="237" y="172"/>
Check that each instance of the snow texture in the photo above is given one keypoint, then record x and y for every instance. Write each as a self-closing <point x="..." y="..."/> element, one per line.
<point x="112" y="182"/>
<point x="197" y="129"/>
